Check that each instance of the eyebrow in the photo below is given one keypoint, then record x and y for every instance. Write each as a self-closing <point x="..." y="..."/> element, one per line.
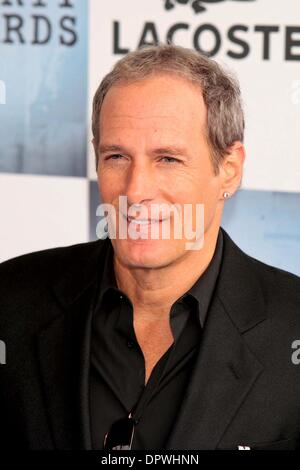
<point x="170" y="150"/>
<point x="110" y="148"/>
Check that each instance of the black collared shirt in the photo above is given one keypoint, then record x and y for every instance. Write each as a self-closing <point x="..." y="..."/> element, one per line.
<point x="117" y="373"/>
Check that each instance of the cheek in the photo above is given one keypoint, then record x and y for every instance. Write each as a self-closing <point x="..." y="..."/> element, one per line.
<point x="107" y="186"/>
<point x="194" y="188"/>
<point x="201" y="189"/>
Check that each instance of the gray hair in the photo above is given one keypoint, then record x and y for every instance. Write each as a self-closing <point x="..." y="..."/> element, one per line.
<point x="220" y="91"/>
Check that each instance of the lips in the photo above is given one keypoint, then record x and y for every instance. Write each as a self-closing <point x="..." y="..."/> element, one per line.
<point x="133" y="220"/>
<point x="137" y="221"/>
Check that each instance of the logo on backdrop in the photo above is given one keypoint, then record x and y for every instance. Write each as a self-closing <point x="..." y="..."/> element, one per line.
<point x="237" y="41"/>
<point x="197" y="5"/>
<point x="19" y="26"/>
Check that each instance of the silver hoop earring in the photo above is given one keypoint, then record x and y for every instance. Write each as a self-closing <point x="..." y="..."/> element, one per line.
<point x="226" y="195"/>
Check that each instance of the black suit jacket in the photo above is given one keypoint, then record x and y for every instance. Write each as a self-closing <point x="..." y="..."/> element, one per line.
<point x="244" y="389"/>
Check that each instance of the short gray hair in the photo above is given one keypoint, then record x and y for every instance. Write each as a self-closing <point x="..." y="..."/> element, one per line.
<point x="220" y="91"/>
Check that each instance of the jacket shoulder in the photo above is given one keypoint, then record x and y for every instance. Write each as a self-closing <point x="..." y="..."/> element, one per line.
<point x="279" y="288"/>
<point x="40" y="268"/>
<point x="274" y="272"/>
<point x="258" y="266"/>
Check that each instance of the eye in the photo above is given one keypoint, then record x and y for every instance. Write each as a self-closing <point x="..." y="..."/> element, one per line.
<point x="115" y="156"/>
<point x="170" y="159"/>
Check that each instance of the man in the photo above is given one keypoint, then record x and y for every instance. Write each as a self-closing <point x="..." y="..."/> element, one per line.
<point x="143" y="342"/>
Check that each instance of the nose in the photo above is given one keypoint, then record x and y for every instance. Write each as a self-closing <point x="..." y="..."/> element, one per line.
<point x="141" y="183"/>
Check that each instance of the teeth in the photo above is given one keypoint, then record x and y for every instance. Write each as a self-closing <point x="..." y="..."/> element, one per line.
<point x="141" y="221"/>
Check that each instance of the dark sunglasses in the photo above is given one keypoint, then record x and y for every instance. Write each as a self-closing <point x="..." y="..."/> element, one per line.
<point x="120" y="435"/>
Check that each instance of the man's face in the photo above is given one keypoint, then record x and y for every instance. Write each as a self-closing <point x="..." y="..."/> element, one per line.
<point x="153" y="150"/>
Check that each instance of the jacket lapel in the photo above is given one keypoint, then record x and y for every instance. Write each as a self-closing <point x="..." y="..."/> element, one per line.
<point x="63" y="349"/>
<point x="225" y="368"/>
<point x="224" y="372"/>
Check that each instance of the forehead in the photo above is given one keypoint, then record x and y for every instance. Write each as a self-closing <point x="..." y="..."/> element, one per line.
<point x="165" y="101"/>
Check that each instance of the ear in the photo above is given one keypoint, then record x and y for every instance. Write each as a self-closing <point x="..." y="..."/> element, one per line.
<point x="231" y="169"/>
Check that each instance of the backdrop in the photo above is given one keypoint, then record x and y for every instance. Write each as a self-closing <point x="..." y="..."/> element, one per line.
<point x="53" y="54"/>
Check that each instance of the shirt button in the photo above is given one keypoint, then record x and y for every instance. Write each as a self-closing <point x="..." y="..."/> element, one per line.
<point x="130" y="344"/>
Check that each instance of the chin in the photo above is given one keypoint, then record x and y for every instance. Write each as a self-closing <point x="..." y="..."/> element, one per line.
<point x="146" y="253"/>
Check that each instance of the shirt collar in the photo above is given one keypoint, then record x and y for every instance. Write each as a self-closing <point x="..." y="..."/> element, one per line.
<point x="203" y="288"/>
<point x="199" y="295"/>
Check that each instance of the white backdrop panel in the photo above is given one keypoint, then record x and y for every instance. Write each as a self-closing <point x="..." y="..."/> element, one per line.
<point x="40" y="212"/>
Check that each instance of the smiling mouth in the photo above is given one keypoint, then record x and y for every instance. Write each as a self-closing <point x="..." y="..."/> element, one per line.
<point x="142" y="221"/>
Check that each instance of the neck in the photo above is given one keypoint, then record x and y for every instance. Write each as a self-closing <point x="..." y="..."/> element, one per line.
<point x="153" y="291"/>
